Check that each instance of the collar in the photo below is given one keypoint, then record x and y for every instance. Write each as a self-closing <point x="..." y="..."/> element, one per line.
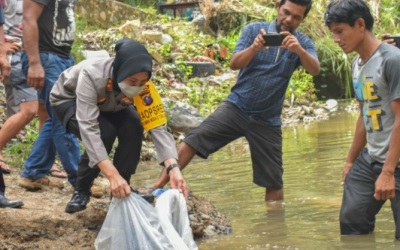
<point x="272" y="28"/>
<point x="121" y="99"/>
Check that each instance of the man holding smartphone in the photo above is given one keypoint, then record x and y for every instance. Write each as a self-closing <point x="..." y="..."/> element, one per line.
<point x="253" y="108"/>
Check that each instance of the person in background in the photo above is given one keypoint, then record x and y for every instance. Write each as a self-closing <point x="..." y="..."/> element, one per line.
<point x="391" y="41"/>
<point x="93" y="100"/>
<point x="21" y="100"/>
<point x="5" y="72"/>
<point x="372" y="171"/>
<point x="48" y="34"/>
<point x="253" y="108"/>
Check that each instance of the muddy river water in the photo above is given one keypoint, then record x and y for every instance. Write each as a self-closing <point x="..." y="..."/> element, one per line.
<point x="314" y="156"/>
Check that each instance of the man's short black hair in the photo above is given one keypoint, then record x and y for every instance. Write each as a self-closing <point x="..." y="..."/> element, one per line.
<point x="306" y="3"/>
<point x="348" y="11"/>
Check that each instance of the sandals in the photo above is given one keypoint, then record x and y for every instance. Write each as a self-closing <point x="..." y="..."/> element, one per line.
<point x="145" y="189"/>
<point x="55" y="172"/>
<point x="5" y="170"/>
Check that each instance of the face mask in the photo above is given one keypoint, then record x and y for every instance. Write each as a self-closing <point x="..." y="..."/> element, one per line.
<point x="130" y="91"/>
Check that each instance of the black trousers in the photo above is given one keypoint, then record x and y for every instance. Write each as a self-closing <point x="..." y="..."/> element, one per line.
<point x="123" y="125"/>
<point x="359" y="207"/>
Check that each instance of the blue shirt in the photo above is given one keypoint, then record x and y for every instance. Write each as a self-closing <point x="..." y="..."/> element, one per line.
<point x="260" y="88"/>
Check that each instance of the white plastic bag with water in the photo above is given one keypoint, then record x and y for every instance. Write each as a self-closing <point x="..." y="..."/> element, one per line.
<point x="133" y="223"/>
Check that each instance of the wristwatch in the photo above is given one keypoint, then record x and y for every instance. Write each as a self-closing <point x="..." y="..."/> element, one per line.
<point x="170" y="167"/>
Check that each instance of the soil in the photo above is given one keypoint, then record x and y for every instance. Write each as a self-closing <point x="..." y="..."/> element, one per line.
<point x="42" y="223"/>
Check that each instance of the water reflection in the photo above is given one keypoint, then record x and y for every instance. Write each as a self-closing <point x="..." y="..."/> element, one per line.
<point x="314" y="156"/>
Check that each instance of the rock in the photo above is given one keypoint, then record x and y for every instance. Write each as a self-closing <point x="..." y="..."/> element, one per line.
<point x="130" y="29"/>
<point x="331" y="105"/>
<point x="199" y="22"/>
<point x="181" y="117"/>
<point x="152" y="36"/>
<point x="205" y="220"/>
<point x="91" y="54"/>
<point x="166" y="39"/>
<point x="156" y="56"/>
<point x="210" y="231"/>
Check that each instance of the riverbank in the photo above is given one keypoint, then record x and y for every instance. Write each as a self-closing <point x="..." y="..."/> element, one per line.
<point x="42" y="223"/>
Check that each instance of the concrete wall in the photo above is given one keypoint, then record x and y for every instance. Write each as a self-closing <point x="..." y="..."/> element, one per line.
<point x="108" y="13"/>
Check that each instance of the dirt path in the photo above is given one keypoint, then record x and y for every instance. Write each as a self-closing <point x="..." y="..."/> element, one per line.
<point x="42" y="223"/>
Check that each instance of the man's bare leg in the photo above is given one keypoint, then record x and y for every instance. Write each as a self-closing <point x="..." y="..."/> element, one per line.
<point x="17" y="122"/>
<point x="185" y="155"/>
<point x="272" y="195"/>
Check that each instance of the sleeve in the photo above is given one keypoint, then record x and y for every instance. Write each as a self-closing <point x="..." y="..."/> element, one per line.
<point x="246" y="38"/>
<point x="392" y="75"/>
<point x="87" y="113"/>
<point x="164" y="143"/>
<point x="309" y="46"/>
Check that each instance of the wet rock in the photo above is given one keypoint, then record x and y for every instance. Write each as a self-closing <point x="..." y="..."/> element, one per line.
<point x="210" y="231"/>
<point x="205" y="220"/>
<point x="331" y="105"/>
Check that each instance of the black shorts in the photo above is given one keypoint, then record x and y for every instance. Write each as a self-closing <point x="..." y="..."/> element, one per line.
<point x="226" y="124"/>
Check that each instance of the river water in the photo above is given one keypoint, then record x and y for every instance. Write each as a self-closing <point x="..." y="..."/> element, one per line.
<point x="313" y="156"/>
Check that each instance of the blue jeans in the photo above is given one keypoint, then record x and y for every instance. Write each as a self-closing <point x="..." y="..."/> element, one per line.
<point x="53" y="136"/>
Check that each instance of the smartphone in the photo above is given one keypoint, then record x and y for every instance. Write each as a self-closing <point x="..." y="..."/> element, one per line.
<point x="273" y="39"/>
<point x="396" y="40"/>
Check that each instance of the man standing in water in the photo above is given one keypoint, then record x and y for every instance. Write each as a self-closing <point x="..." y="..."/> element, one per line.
<point x="253" y="108"/>
<point x="371" y="175"/>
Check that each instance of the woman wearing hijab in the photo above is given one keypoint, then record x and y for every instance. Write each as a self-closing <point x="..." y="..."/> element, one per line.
<point x="93" y="100"/>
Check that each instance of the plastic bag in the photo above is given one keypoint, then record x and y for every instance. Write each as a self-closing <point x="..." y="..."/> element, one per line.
<point x="133" y="223"/>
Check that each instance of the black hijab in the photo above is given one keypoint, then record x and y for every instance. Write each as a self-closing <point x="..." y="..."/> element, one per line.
<point x="131" y="58"/>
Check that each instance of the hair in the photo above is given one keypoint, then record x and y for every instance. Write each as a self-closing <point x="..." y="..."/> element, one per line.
<point x="348" y="11"/>
<point x="307" y="3"/>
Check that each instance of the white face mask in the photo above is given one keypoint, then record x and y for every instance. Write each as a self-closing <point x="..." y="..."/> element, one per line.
<point x="130" y="91"/>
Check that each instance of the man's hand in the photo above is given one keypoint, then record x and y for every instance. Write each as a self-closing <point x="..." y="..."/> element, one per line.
<point x="35" y="76"/>
<point x="384" y="38"/>
<point x="385" y="186"/>
<point x="12" y="47"/>
<point x="346" y="171"/>
<point x="177" y="182"/>
<point x="291" y="43"/>
<point x="5" y="68"/>
<point x="259" y="42"/>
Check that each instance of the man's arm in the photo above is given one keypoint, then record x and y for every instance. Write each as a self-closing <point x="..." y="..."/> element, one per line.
<point x="4" y="64"/>
<point x="309" y="62"/>
<point x="12" y="47"/>
<point x="241" y="59"/>
<point x="31" y="14"/>
<point x="167" y="155"/>
<point x="359" y="142"/>
<point x="385" y="184"/>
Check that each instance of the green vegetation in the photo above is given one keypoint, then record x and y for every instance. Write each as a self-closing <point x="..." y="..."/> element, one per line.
<point x="223" y="24"/>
